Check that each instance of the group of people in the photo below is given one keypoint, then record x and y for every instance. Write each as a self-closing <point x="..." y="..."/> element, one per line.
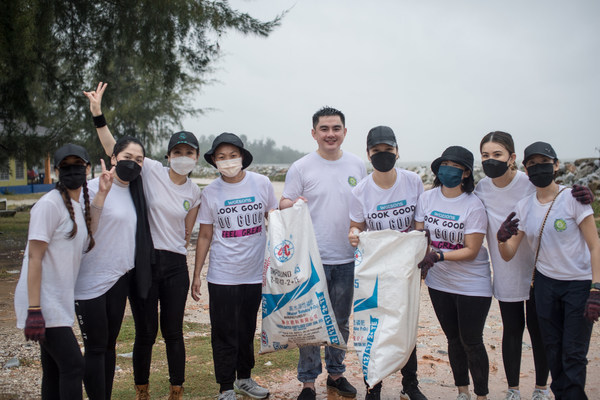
<point x="93" y="244"/>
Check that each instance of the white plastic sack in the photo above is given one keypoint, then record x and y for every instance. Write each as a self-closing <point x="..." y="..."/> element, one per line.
<point x="296" y="309"/>
<point x="386" y="300"/>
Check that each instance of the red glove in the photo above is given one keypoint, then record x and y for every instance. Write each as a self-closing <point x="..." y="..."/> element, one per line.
<point x="509" y="227"/>
<point x="592" y="306"/>
<point x="35" y="326"/>
<point x="430" y="258"/>
<point x="582" y="194"/>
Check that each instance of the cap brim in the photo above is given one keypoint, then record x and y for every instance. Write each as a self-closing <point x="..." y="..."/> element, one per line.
<point x="388" y="142"/>
<point x="435" y="165"/>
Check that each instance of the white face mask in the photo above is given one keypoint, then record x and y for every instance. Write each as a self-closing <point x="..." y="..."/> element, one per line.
<point x="183" y="165"/>
<point x="230" y="168"/>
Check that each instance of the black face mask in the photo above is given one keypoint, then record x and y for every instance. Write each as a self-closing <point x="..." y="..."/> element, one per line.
<point x="494" y="168"/>
<point x="541" y="175"/>
<point x="72" y="176"/>
<point x="383" y="161"/>
<point x="128" y="170"/>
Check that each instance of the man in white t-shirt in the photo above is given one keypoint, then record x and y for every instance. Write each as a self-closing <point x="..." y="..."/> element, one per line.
<point x="325" y="179"/>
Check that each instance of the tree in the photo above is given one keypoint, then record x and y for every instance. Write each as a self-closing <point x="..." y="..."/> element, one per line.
<point x="154" y="53"/>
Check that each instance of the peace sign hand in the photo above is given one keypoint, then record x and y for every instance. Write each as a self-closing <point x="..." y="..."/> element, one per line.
<point x="95" y="97"/>
<point x="106" y="178"/>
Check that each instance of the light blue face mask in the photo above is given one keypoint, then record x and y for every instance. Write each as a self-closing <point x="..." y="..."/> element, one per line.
<point x="450" y="176"/>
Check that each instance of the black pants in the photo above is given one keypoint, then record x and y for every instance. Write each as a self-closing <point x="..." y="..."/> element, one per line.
<point x="514" y="315"/>
<point x="462" y="319"/>
<point x="62" y="365"/>
<point x="566" y="333"/>
<point x="409" y="372"/>
<point x="170" y="285"/>
<point x="100" y="322"/>
<point x="233" y="311"/>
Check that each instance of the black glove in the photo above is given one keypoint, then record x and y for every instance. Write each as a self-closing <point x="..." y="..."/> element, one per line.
<point x="430" y="258"/>
<point x="35" y="325"/>
<point x="582" y="194"/>
<point x="509" y="227"/>
<point x="592" y="306"/>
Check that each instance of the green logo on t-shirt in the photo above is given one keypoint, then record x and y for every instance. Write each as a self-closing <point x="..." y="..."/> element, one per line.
<point x="560" y="225"/>
<point x="352" y="181"/>
<point x="186" y="205"/>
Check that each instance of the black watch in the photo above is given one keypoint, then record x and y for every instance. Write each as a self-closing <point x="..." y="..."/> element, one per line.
<point x="596" y="285"/>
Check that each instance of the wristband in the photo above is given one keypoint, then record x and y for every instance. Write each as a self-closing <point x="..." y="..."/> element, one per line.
<point x="441" y="254"/>
<point x="596" y="285"/>
<point x="34" y="308"/>
<point x="99" y="121"/>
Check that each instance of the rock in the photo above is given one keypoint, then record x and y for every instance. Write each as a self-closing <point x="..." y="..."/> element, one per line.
<point x="126" y="355"/>
<point x="12" y="363"/>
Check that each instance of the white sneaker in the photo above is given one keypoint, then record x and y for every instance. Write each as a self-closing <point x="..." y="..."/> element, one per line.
<point x="250" y="388"/>
<point x="228" y="395"/>
<point x="540" y="394"/>
<point x="512" y="394"/>
<point x="463" y="396"/>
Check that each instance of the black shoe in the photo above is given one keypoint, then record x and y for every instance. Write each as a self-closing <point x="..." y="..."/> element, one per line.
<point x="412" y="392"/>
<point x="341" y="386"/>
<point x="307" y="394"/>
<point x="374" y="393"/>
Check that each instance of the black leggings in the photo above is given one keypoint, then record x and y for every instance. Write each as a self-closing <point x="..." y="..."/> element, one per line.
<point x="233" y="311"/>
<point x="170" y="285"/>
<point x="62" y="365"/>
<point x="513" y="319"/>
<point x="100" y="322"/>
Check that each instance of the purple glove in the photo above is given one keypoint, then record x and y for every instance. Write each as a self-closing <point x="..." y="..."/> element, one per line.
<point x="35" y="326"/>
<point x="509" y="227"/>
<point x="592" y="306"/>
<point x="430" y="258"/>
<point x="582" y="194"/>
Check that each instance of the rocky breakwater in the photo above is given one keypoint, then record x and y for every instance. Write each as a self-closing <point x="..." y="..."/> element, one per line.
<point x="584" y="171"/>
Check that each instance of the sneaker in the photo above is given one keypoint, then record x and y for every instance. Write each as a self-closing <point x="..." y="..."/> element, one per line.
<point x="307" y="394"/>
<point x="540" y="394"/>
<point x="341" y="386"/>
<point x="463" y="396"/>
<point x="412" y="392"/>
<point x="228" y="395"/>
<point x="512" y="394"/>
<point x="249" y="387"/>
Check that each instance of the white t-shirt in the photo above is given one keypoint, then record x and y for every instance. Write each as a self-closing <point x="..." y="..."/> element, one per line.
<point x="327" y="186"/>
<point x="564" y="254"/>
<point x="448" y="221"/>
<point x="50" y="222"/>
<point x="237" y="213"/>
<point x="114" y="252"/>
<point x="512" y="279"/>
<point x="168" y="205"/>
<point x="391" y="208"/>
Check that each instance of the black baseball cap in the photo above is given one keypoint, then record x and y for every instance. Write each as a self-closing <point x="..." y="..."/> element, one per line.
<point x="70" y="149"/>
<point x="381" y="135"/>
<point x="183" y="137"/>
<point x="457" y="154"/>
<point x="228" y="138"/>
<point x="541" y="148"/>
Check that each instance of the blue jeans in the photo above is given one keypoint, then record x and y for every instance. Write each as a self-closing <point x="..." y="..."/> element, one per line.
<point x="340" y="284"/>
<point x="565" y="331"/>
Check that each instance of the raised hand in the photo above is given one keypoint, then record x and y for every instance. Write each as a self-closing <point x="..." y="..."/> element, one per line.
<point x="509" y="227"/>
<point x="95" y="97"/>
<point x="106" y="178"/>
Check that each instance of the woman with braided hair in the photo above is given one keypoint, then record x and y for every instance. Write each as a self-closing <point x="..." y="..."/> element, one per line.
<point x="44" y="297"/>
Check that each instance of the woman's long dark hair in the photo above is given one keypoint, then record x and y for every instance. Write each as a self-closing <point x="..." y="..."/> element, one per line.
<point x="62" y="189"/>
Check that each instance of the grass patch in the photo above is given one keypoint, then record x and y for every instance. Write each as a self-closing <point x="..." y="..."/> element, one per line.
<point x="13" y="239"/>
<point x="199" y="373"/>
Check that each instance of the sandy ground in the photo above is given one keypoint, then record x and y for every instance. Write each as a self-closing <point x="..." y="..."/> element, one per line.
<point x="434" y="370"/>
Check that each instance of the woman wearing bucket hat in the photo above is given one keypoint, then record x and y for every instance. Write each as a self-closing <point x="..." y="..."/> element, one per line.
<point x="386" y="185"/>
<point x="173" y="201"/>
<point x="567" y="263"/>
<point x="457" y="270"/>
<point x="232" y="224"/>
<point x="60" y="231"/>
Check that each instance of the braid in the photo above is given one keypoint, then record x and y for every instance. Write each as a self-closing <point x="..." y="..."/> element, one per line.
<point x="88" y="217"/>
<point x="67" y="200"/>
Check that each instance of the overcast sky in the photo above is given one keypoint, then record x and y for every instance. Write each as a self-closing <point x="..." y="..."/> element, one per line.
<point x="438" y="72"/>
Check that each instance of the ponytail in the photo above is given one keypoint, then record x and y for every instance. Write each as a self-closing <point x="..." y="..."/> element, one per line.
<point x="88" y="218"/>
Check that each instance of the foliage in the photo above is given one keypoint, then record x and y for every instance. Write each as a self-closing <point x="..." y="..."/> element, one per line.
<point x="155" y="54"/>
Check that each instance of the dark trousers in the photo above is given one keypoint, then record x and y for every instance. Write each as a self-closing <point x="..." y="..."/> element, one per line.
<point x="514" y="315"/>
<point x="62" y="365"/>
<point x="100" y="322"/>
<point x="566" y="333"/>
<point x="462" y="319"/>
<point x="233" y="312"/>
<point x="170" y="285"/>
<point x="409" y="373"/>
